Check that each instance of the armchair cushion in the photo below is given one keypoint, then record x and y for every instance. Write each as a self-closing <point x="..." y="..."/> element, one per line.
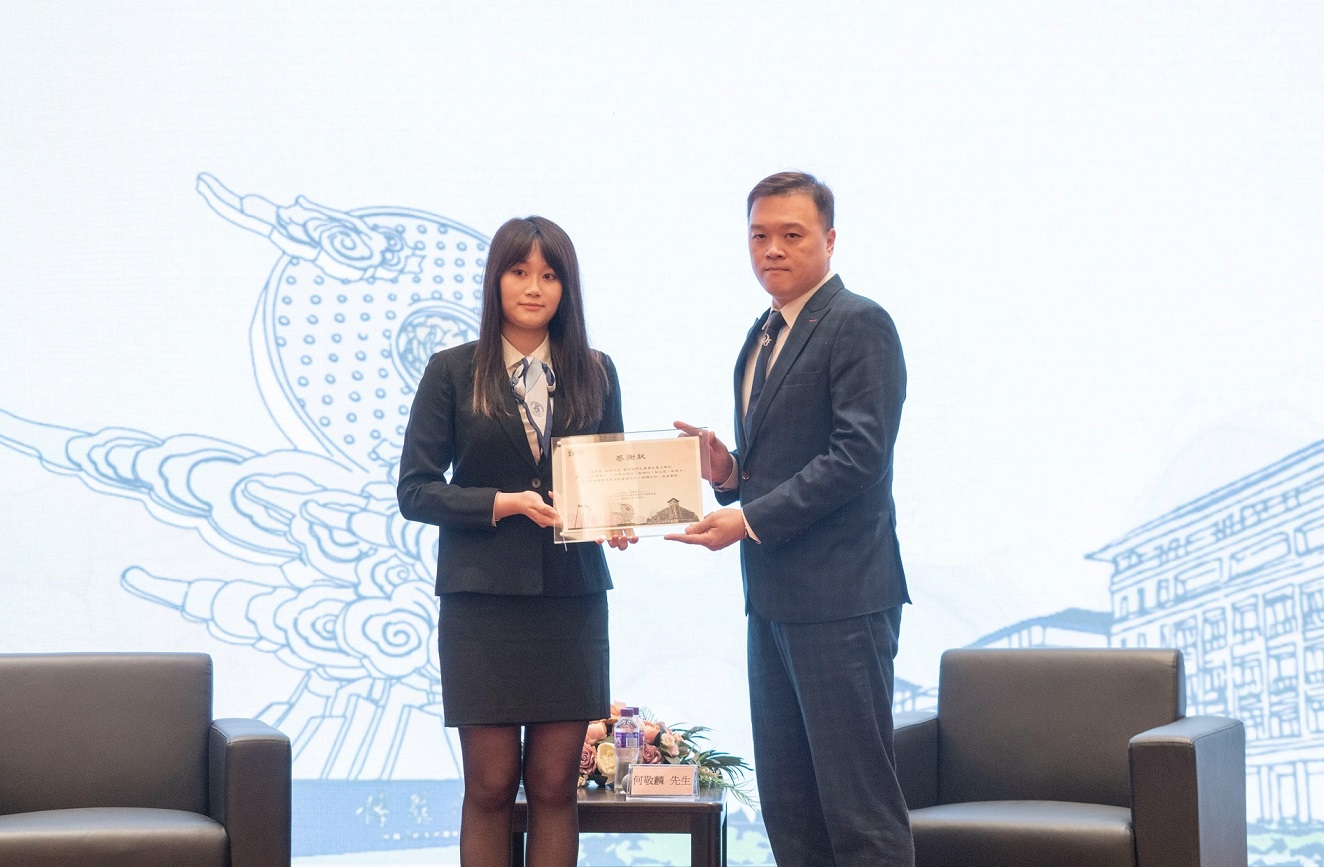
<point x="1049" y="725"/>
<point x="112" y="837"/>
<point x="104" y="730"/>
<point x="1023" y="834"/>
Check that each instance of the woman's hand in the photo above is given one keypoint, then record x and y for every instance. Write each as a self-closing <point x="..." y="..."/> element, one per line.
<point x="620" y="539"/>
<point x="528" y="504"/>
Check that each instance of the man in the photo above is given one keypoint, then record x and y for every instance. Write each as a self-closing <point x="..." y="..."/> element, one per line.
<point x="822" y="570"/>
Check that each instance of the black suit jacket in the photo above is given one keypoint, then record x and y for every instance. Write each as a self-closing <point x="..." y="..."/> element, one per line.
<point x="816" y="467"/>
<point x="486" y="455"/>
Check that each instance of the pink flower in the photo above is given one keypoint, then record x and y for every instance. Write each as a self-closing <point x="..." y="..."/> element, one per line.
<point x="597" y="730"/>
<point x="651" y="730"/>
<point x="650" y="755"/>
<point x="588" y="760"/>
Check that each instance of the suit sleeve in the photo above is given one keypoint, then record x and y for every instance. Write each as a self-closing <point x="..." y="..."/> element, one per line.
<point x="866" y="378"/>
<point x="727" y="496"/>
<point x="423" y="491"/>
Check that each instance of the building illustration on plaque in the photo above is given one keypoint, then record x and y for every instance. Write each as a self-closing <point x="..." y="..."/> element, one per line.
<point x="674" y="513"/>
<point x="356" y="304"/>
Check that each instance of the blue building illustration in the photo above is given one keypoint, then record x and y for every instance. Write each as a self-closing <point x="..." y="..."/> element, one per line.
<point x="1235" y="579"/>
<point x="1073" y="627"/>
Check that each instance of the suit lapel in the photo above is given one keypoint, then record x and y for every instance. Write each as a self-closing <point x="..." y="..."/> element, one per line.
<point x="741" y="362"/>
<point x="796" y="341"/>
<point x="512" y="422"/>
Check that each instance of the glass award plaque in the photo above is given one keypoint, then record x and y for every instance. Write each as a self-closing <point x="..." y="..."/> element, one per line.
<point x="647" y="483"/>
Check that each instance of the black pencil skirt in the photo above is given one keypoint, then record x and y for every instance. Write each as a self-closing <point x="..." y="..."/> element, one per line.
<point x="510" y="660"/>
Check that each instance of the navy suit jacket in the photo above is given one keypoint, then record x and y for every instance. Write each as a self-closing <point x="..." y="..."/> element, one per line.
<point x="486" y="455"/>
<point x="816" y="467"/>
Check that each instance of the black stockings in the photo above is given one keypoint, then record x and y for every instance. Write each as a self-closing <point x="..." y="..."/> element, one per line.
<point x="493" y="765"/>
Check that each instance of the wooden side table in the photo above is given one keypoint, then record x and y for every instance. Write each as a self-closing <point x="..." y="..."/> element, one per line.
<point x="602" y="811"/>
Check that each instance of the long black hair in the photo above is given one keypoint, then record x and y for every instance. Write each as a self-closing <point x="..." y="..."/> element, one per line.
<point x="581" y="378"/>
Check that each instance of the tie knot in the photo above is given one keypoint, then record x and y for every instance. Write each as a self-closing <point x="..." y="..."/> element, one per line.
<point x="774" y="325"/>
<point x="529" y="374"/>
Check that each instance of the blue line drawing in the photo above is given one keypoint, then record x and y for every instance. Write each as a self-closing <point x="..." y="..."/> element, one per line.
<point x="1071" y="627"/>
<point x="354" y="307"/>
<point x="1235" y="579"/>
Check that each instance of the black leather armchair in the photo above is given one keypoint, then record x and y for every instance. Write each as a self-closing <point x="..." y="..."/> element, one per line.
<point x="1071" y="758"/>
<point x="113" y="760"/>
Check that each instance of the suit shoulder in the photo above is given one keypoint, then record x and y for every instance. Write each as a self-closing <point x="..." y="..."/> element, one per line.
<point x="455" y="357"/>
<point x="449" y="369"/>
<point x="463" y="352"/>
<point x="851" y="305"/>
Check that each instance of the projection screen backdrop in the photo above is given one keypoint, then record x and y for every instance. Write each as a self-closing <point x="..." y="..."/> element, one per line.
<point x="234" y="232"/>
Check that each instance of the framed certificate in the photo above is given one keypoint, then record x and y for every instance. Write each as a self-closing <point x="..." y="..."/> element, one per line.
<point x="648" y="482"/>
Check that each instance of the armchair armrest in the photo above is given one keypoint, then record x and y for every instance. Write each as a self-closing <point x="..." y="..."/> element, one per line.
<point x="916" y="739"/>
<point x="1188" y="793"/>
<point x="249" y="790"/>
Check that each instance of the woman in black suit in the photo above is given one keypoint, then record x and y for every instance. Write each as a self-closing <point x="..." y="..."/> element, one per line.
<point x="523" y="627"/>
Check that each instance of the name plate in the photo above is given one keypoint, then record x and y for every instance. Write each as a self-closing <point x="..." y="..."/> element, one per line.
<point x="664" y="781"/>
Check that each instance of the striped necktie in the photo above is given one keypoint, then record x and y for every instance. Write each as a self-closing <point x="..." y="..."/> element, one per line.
<point x="534" y="384"/>
<point x="771" y="329"/>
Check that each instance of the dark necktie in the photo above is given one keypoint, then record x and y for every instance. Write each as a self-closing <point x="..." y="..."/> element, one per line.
<point x="771" y="329"/>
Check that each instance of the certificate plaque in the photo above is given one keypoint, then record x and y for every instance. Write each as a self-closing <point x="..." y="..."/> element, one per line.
<point x="647" y="483"/>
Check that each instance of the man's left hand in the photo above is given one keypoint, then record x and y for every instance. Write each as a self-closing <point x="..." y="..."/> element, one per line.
<point x="716" y="531"/>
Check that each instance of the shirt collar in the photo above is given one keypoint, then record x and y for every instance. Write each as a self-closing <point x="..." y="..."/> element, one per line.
<point x="791" y="309"/>
<point x="512" y="356"/>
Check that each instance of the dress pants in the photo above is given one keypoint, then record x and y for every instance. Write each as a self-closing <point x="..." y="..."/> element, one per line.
<point x="821" y="704"/>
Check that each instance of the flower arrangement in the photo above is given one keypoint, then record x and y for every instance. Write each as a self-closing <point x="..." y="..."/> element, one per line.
<point x="662" y="744"/>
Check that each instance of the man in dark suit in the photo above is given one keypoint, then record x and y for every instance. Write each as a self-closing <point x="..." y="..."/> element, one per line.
<point x="819" y="385"/>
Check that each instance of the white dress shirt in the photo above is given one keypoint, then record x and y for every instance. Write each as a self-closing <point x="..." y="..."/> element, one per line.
<point x="512" y="358"/>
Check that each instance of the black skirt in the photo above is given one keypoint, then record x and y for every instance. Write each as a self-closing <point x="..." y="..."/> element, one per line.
<point x="511" y="660"/>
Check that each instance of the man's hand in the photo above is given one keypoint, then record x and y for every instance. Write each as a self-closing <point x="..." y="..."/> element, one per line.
<point x="719" y="460"/>
<point x="716" y="531"/>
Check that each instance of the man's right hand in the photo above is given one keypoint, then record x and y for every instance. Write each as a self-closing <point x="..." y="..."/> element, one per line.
<point x="719" y="465"/>
<point x="716" y="530"/>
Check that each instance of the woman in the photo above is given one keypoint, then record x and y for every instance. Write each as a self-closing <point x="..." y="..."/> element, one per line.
<point x="523" y="620"/>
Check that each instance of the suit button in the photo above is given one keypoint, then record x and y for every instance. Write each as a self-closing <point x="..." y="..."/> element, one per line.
<point x="744" y="475"/>
<point x="537" y="482"/>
